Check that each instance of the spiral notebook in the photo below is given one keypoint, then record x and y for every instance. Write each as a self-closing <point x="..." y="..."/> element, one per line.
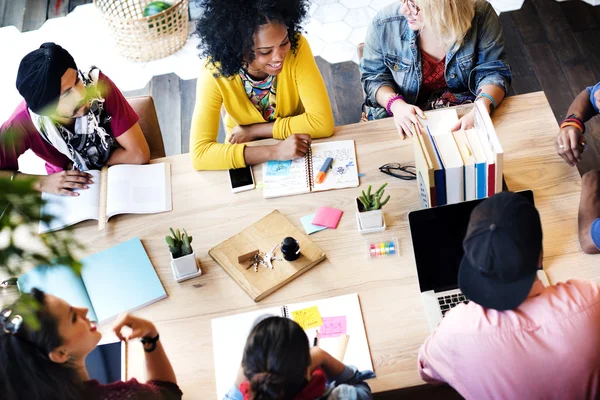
<point x="338" y="319"/>
<point x="288" y="178"/>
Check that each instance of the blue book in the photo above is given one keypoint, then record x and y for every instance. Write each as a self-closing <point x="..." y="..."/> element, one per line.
<point x="113" y="281"/>
<point x="439" y="176"/>
<point x="480" y="164"/>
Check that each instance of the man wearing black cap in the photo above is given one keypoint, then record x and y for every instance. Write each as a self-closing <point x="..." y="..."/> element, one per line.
<point x="75" y="121"/>
<point x="515" y="339"/>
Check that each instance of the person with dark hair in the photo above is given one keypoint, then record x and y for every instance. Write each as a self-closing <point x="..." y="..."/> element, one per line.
<point x="516" y="338"/>
<point x="261" y="72"/>
<point x="570" y="144"/>
<point x="74" y="120"/>
<point x="278" y="364"/>
<point x="48" y="362"/>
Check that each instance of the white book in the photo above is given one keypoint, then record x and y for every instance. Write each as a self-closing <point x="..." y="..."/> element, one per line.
<point x="453" y="167"/>
<point x="288" y="178"/>
<point x="130" y="189"/>
<point x="229" y="336"/>
<point x="440" y="122"/>
<point x="469" y="163"/>
<point x="488" y="137"/>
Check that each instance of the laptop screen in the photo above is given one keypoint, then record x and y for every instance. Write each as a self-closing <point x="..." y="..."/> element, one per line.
<point x="437" y="236"/>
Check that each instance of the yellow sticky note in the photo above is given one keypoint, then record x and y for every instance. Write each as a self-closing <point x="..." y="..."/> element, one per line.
<point x="308" y="317"/>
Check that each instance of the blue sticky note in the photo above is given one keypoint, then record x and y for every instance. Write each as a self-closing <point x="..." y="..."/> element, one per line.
<point x="308" y="226"/>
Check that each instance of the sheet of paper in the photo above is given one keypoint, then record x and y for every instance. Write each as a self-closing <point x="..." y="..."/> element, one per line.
<point x="308" y="318"/>
<point x="69" y="210"/>
<point x="285" y="178"/>
<point x="139" y="189"/>
<point x="308" y="226"/>
<point x="343" y="172"/>
<point x="333" y="327"/>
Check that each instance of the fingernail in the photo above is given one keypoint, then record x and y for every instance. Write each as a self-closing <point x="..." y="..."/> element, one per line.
<point x="90" y="181"/>
<point x="85" y="186"/>
<point x="75" y="194"/>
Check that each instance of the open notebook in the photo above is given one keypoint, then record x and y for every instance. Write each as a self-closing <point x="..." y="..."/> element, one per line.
<point x="334" y="317"/>
<point x="287" y="178"/>
<point x="130" y="189"/>
<point x="113" y="281"/>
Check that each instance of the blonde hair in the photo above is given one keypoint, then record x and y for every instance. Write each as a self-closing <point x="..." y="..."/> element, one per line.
<point x="449" y="20"/>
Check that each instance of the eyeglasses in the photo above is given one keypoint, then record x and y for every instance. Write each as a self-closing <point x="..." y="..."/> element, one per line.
<point x="412" y="7"/>
<point x="406" y="173"/>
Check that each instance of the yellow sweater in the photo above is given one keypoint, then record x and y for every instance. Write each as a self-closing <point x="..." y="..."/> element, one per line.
<point x="302" y="107"/>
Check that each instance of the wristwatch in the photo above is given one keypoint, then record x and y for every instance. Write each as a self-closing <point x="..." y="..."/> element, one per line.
<point x="152" y="341"/>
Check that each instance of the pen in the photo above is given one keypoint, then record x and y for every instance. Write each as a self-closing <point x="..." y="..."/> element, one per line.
<point x="323" y="171"/>
<point x="315" y="342"/>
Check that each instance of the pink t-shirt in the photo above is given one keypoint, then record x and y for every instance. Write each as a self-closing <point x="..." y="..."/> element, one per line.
<point x="547" y="348"/>
<point x="27" y="137"/>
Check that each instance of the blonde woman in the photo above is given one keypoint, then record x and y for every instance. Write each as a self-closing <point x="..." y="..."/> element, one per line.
<point x="424" y="54"/>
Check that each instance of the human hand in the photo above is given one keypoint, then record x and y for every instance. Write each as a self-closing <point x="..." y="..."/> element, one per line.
<point x="466" y="122"/>
<point x="140" y="328"/>
<point x="64" y="182"/>
<point x="241" y="134"/>
<point x="295" y="146"/>
<point x="569" y="144"/>
<point x="405" y="117"/>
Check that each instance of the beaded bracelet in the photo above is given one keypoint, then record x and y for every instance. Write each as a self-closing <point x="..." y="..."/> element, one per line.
<point x="392" y="99"/>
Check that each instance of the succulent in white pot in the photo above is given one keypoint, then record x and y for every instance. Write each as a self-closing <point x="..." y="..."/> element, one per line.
<point x="370" y="216"/>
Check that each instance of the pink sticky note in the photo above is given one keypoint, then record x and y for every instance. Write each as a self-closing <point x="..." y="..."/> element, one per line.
<point x="327" y="216"/>
<point x="332" y="327"/>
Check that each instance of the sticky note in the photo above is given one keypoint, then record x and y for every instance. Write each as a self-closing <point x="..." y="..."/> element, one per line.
<point x="308" y="318"/>
<point x="333" y="327"/>
<point x="328" y="217"/>
<point x="308" y="226"/>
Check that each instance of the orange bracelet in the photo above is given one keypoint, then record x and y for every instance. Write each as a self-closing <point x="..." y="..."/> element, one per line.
<point x="576" y="125"/>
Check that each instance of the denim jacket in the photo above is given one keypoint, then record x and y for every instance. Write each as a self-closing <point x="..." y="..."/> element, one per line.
<point x="392" y="56"/>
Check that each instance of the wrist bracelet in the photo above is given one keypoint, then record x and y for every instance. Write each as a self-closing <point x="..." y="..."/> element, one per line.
<point x="577" y="120"/>
<point x="392" y="99"/>
<point x="149" y="340"/>
<point x="570" y="123"/>
<point x="493" y="103"/>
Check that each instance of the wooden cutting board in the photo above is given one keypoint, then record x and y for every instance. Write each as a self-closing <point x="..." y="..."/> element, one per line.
<point x="263" y="235"/>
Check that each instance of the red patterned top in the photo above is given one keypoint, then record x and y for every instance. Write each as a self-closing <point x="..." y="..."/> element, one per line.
<point x="133" y="390"/>
<point x="433" y="76"/>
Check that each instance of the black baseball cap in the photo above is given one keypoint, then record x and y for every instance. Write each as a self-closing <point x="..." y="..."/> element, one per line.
<point x="502" y="249"/>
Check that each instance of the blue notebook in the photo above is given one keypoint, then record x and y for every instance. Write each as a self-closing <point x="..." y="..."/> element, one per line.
<point x="113" y="281"/>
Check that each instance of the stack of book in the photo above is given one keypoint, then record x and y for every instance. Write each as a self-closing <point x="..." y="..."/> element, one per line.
<point x="457" y="166"/>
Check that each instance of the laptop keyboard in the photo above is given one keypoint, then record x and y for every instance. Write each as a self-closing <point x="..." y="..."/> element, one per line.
<point x="451" y="301"/>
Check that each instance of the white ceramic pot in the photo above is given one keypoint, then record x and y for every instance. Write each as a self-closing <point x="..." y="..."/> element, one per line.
<point x="369" y="219"/>
<point x="185" y="267"/>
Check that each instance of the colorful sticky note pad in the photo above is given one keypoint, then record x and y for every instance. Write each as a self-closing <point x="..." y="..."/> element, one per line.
<point x="308" y="226"/>
<point x="308" y="318"/>
<point x="328" y="217"/>
<point x="333" y="327"/>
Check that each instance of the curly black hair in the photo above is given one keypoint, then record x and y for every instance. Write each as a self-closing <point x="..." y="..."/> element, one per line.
<point x="226" y="28"/>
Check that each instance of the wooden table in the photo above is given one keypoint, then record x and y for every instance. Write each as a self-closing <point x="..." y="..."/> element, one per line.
<point x="388" y="289"/>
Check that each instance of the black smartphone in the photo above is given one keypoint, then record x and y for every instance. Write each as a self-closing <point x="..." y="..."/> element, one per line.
<point x="241" y="179"/>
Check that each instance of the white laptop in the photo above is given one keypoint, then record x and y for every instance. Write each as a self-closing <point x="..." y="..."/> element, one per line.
<point x="437" y="235"/>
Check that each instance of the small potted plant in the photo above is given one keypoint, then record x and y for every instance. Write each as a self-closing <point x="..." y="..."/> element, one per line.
<point x="183" y="259"/>
<point x="370" y="216"/>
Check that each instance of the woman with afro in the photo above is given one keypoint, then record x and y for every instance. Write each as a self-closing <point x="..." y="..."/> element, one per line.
<point x="261" y="71"/>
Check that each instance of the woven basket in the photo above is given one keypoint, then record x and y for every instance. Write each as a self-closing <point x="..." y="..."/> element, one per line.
<point x="140" y="38"/>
